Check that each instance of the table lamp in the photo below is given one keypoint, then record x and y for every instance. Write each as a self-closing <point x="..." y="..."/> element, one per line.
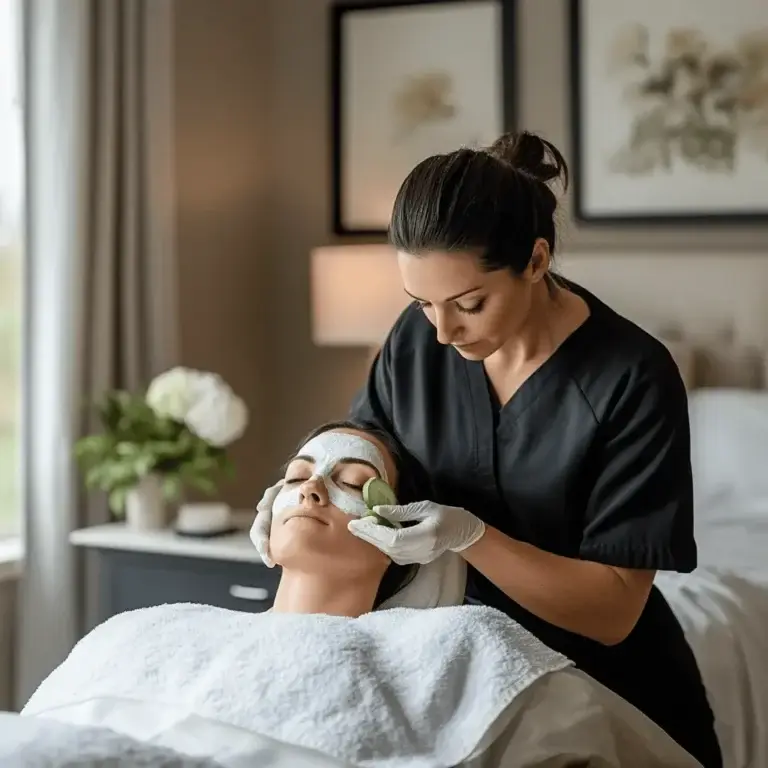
<point x="356" y="295"/>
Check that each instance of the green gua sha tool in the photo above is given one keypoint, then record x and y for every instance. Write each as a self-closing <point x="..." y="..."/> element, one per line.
<point x="377" y="493"/>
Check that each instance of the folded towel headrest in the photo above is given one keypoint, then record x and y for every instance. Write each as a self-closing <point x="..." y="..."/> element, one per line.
<point x="437" y="584"/>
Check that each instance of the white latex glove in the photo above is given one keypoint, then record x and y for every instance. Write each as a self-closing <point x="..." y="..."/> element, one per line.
<point x="263" y="523"/>
<point x="438" y="529"/>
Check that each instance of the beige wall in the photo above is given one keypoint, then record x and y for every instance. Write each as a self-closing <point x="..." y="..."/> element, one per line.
<point x="223" y="177"/>
<point x="708" y="281"/>
<point x="253" y="162"/>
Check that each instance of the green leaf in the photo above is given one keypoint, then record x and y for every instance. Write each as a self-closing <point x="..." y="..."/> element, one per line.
<point x="136" y="442"/>
<point x="93" y="444"/>
<point x="172" y="487"/>
<point x="117" y="500"/>
<point x="203" y="484"/>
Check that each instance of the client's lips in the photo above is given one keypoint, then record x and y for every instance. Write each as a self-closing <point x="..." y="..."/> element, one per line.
<point x="305" y="514"/>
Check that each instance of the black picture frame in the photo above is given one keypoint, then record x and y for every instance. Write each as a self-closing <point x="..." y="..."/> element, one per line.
<point x="581" y="160"/>
<point x="338" y="12"/>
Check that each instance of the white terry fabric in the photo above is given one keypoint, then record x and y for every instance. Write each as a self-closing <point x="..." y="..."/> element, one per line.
<point x="438" y="584"/>
<point x="406" y="688"/>
<point x="558" y="720"/>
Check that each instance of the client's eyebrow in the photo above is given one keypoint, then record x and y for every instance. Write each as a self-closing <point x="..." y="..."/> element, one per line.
<point x="310" y="460"/>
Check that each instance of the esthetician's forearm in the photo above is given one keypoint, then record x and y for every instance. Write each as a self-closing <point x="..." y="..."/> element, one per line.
<point x="598" y="601"/>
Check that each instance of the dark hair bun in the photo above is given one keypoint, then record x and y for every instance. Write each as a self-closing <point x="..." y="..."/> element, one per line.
<point x="531" y="154"/>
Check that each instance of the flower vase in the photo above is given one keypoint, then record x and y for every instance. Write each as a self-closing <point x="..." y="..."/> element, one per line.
<point x="145" y="506"/>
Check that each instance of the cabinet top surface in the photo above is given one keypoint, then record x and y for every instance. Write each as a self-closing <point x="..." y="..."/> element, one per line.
<point x="118" y="536"/>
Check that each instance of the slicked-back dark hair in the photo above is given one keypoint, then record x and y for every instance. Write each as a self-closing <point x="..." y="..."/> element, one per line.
<point x="495" y="202"/>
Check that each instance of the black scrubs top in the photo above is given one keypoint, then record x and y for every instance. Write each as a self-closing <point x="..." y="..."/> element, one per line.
<point x="589" y="459"/>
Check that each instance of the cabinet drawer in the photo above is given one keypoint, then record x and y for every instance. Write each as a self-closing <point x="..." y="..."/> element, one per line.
<point x="138" y="580"/>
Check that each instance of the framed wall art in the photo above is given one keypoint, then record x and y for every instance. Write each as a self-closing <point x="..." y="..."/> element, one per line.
<point x="408" y="80"/>
<point x="670" y="110"/>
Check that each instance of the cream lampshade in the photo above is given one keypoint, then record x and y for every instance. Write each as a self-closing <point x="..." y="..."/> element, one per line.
<point x="356" y="294"/>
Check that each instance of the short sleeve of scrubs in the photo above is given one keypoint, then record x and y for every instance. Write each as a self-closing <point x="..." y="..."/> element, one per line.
<point x="640" y="508"/>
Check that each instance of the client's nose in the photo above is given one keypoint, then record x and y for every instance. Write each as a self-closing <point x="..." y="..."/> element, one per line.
<point x="313" y="492"/>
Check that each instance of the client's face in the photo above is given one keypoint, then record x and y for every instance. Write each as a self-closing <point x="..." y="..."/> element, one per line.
<point x="322" y="492"/>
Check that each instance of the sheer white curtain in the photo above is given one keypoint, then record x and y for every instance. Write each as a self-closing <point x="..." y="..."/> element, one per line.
<point x="100" y="303"/>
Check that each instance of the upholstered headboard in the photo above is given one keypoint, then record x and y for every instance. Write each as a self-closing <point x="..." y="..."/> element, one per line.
<point x="685" y="356"/>
<point x="718" y="363"/>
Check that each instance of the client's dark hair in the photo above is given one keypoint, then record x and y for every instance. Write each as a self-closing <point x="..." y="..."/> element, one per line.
<point x="396" y="577"/>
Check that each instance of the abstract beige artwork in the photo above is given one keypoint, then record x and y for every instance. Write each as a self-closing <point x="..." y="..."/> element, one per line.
<point x="415" y="80"/>
<point x="673" y="108"/>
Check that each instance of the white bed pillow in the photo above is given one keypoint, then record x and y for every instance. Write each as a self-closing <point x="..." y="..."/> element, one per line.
<point x="729" y="448"/>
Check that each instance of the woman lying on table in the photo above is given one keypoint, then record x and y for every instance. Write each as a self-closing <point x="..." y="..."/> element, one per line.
<point x="348" y="666"/>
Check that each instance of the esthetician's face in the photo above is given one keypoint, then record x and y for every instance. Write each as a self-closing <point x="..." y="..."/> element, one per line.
<point x="475" y="311"/>
<point x="322" y="492"/>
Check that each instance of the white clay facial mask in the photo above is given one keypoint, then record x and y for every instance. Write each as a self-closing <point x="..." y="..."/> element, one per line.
<point x="327" y="450"/>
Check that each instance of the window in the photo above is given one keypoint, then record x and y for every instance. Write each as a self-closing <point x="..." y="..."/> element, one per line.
<point x="11" y="250"/>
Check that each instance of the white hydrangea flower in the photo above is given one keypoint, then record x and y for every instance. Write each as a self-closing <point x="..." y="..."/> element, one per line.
<point x="217" y="414"/>
<point x="172" y="394"/>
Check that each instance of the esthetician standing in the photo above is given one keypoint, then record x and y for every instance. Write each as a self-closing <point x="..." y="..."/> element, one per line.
<point x="554" y="431"/>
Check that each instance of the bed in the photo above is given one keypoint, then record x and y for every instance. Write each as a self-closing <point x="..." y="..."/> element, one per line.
<point x="723" y="605"/>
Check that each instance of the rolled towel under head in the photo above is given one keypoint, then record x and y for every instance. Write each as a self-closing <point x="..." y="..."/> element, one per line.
<point x="438" y="584"/>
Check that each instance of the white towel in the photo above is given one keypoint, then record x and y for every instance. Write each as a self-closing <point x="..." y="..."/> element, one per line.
<point x="406" y="688"/>
<point x="438" y="584"/>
